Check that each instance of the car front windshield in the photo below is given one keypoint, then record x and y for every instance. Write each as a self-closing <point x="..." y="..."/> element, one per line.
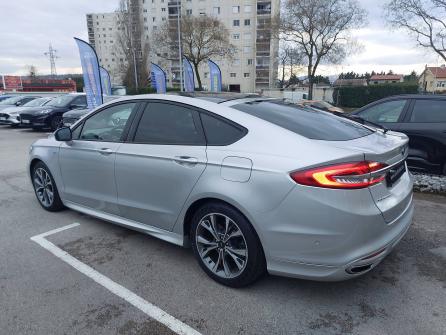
<point x="61" y="101"/>
<point x="36" y="102"/>
<point x="11" y="101"/>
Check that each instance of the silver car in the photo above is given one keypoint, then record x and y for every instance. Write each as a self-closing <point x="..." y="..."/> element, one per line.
<point x="253" y="185"/>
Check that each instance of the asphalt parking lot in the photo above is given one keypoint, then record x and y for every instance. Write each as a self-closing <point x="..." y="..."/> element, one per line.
<point x="43" y="294"/>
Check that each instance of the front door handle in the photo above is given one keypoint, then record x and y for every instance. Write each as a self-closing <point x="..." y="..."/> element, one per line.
<point x="105" y="151"/>
<point x="185" y="160"/>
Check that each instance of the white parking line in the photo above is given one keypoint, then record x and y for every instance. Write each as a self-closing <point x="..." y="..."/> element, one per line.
<point x="146" y="307"/>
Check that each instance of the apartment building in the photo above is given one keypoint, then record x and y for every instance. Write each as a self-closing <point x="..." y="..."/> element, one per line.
<point x="254" y="65"/>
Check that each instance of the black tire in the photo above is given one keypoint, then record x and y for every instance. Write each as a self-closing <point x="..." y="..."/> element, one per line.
<point x="255" y="265"/>
<point x="55" y="122"/>
<point x="56" y="204"/>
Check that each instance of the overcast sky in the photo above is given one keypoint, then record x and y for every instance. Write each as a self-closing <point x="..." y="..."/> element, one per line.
<point x="28" y="26"/>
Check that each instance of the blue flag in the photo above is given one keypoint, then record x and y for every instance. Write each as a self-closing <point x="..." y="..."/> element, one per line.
<point x="90" y="70"/>
<point x="106" y="81"/>
<point x="189" y="80"/>
<point x="158" y="77"/>
<point x="215" y="76"/>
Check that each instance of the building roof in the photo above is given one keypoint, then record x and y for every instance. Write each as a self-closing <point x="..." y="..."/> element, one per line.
<point x="387" y="77"/>
<point x="438" y="71"/>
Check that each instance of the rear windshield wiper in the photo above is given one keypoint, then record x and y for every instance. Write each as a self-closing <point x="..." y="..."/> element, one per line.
<point x="363" y="121"/>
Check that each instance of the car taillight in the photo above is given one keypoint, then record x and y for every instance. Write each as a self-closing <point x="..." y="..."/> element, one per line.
<point x="343" y="176"/>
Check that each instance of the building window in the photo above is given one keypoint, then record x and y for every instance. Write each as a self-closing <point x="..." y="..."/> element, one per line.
<point x="248" y="9"/>
<point x="216" y="10"/>
<point x="247" y="49"/>
<point x="233" y="74"/>
<point x="247" y="36"/>
<point x="250" y="61"/>
<point x="236" y="36"/>
<point x="246" y="74"/>
<point x="235" y="9"/>
<point x="236" y="23"/>
<point x="247" y="22"/>
<point x="163" y="9"/>
<point x="206" y="75"/>
<point x="153" y="19"/>
<point x="189" y="12"/>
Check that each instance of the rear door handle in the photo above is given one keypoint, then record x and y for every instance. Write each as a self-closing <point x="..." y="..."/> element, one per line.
<point x="186" y="160"/>
<point x="105" y="151"/>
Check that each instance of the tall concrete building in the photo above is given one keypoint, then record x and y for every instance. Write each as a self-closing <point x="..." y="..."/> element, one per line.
<point x="254" y="65"/>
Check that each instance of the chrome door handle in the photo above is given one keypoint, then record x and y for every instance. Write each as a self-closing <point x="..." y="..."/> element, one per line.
<point x="105" y="151"/>
<point x="185" y="160"/>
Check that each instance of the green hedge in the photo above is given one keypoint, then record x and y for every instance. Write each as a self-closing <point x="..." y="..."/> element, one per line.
<point x="358" y="96"/>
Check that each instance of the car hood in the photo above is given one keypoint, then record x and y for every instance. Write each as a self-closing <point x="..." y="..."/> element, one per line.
<point x="36" y="110"/>
<point x="76" y="114"/>
<point x="16" y="110"/>
<point x="3" y="107"/>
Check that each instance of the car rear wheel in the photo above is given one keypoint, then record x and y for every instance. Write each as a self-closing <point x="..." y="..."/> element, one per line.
<point x="45" y="188"/>
<point x="226" y="246"/>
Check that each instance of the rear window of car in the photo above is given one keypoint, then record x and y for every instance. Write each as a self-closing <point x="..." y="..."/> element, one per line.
<point x="313" y="124"/>
<point x="429" y="111"/>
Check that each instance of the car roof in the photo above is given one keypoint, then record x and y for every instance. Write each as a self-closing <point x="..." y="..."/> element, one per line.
<point x="218" y="98"/>
<point x="415" y="96"/>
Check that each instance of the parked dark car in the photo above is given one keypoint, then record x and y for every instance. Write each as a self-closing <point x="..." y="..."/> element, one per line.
<point x="17" y="100"/>
<point x="50" y="115"/>
<point x="423" y="119"/>
<point x="71" y="117"/>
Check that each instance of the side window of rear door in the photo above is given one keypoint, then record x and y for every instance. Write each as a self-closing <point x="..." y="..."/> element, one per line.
<point x="386" y="112"/>
<point x="169" y="124"/>
<point x="428" y="111"/>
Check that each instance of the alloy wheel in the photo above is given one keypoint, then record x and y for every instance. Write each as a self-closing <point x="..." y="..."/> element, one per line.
<point x="44" y="187"/>
<point x="221" y="245"/>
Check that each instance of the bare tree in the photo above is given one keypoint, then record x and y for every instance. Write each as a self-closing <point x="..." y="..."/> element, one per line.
<point x="321" y="30"/>
<point x="131" y="44"/>
<point x="289" y="58"/>
<point x="425" y="20"/>
<point x="202" y="37"/>
<point x="32" y="71"/>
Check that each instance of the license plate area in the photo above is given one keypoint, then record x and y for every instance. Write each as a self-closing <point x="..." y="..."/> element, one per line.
<point x="25" y="121"/>
<point x="395" y="173"/>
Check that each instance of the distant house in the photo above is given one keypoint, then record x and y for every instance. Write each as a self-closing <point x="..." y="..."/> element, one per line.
<point x="433" y="79"/>
<point x="350" y="82"/>
<point x="386" y="79"/>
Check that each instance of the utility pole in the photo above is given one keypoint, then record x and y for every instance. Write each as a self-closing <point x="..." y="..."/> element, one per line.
<point x="180" y="50"/>
<point x="51" y="54"/>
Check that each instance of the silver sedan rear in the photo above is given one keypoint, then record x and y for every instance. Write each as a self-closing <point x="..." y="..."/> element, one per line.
<point x="253" y="185"/>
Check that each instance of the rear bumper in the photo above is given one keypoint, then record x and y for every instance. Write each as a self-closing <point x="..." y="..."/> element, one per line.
<point x="332" y="242"/>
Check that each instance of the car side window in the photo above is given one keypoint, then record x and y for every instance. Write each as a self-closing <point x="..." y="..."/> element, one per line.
<point x="107" y="125"/>
<point x="219" y="132"/>
<point x="80" y="101"/>
<point x="165" y="123"/>
<point x="385" y="112"/>
<point x="429" y="111"/>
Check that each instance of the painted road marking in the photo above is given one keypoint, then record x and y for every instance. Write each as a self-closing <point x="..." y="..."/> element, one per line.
<point x="146" y="307"/>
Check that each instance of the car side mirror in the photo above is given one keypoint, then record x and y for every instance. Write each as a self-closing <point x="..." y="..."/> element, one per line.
<point x="18" y="103"/>
<point x="63" y="134"/>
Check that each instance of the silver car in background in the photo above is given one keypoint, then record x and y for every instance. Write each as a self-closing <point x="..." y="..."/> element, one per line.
<point x="252" y="184"/>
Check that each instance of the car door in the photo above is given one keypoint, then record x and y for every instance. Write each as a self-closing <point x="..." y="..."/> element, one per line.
<point x="87" y="163"/>
<point x="158" y="167"/>
<point x="425" y="125"/>
<point x="387" y="113"/>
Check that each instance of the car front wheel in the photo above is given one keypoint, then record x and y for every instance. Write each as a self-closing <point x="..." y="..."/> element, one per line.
<point x="226" y="245"/>
<point x="45" y="188"/>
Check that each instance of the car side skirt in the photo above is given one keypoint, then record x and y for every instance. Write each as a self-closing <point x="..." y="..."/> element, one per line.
<point x="120" y="221"/>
